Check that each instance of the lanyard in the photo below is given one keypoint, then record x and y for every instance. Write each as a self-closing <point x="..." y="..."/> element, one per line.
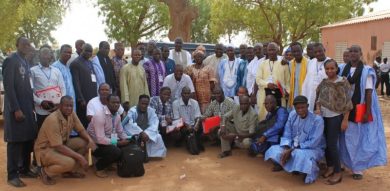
<point x="271" y="69"/>
<point x="320" y="68"/>
<point x="113" y="122"/>
<point x="89" y="65"/>
<point x="44" y="73"/>
<point x="231" y="66"/>
<point x="24" y="63"/>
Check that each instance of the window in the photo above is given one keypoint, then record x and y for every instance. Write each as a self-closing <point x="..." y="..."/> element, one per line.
<point x="340" y="48"/>
<point x="373" y="42"/>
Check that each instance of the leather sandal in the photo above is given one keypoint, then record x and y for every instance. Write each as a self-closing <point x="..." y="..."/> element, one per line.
<point x="333" y="182"/>
<point x="16" y="182"/>
<point x="225" y="154"/>
<point x="46" y="179"/>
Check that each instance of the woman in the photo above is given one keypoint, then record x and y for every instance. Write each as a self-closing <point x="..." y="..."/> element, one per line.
<point x="203" y="78"/>
<point x="333" y="102"/>
<point x="363" y="144"/>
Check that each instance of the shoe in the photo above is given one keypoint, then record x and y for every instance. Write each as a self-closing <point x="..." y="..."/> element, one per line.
<point x="46" y="179"/>
<point x="201" y="148"/>
<point x="225" y="154"/>
<point x="357" y="176"/>
<point x="28" y="174"/>
<point x="16" y="182"/>
<point x="277" y="168"/>
<point x="73" y="175"/>
<point x="101" y="174"/>
<point x="332" y="182"/>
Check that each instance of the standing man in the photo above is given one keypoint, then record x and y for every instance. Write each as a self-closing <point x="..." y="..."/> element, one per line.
<point x="272" y="78"/>
<point x="48" y="86"/>
<point x="155" y="73"/>
<point x="133" y="81"/>
<point x="315" y="74"/>
<point x="216" y="58"/>
<point x="19" y="124"/>
<point x="298" y="67"/>
<point x="101" y="59"/>
<point x="169" y="63"/>
<point x="243" y="48"/>
<point x="79" y="48"/>
<point x="385" y="69"/>
<point x="177" y="81"/>
<point x="242" y="71"/>
<point x="84" y="81"/>
<point x="310" y="51"/>
<point x="118" y="61"/>
<point x="227" y="71"/>
<point x="180" y="56"/>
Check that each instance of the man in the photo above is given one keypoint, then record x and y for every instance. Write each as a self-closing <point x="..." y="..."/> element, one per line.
<point x="107" y="132"/>
<point x="272" y="78"/>
<point x="55" y="152"/>
<point x="149" y="49"/>
<point x="180" y="56"/>
<point x="253" y="67"/>
<point x="118" y="61"/>
<point x="242" y="70"/>
<point x="243" y="127"/>
<point x="97" y="103"/>
<point x="302" y="144"/>
<point x="101" y="59"/>
<point x="133" y="81"/>
<point x="385" y="69"/>
<point x="216" y="58"/>
<point x="85" y="82"/>
<point x="298" y="68"/>
<point x="177" y="81"/>
<point x="241" y="92"/>
<point x="310" y="51"/>
<point x="168" y="63"/>
<point x="163" y="106"/>
<point x="271" y="128"/>
<point x="48" y="86"/>
<point x="227" y="72"/>
<point x="19" y="124"/>
<point x="314" y="75"/>
<point x="242" y="50"/>
<point x="288" y="55"/>
<point x="218" y="107"/>
<point x="60" y="64"/>
<point x="346" y="56"/>
<point x="377" y="62"/>
<point x="79" y="48"/>
<point x="143" y="121"/>
<point x="188" y="109"/>
<point x="155" y="73"/>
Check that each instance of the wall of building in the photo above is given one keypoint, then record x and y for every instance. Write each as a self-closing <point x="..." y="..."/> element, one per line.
<point x="359" y="34"/>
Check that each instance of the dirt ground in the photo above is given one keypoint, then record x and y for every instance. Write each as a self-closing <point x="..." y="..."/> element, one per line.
<point x="207" y="172"/>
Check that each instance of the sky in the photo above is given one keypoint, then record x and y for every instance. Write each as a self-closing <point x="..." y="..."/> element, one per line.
<point x="81" y="21"/>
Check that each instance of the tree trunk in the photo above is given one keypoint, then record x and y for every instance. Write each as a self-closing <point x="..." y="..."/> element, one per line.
<point x="182" y="14"/>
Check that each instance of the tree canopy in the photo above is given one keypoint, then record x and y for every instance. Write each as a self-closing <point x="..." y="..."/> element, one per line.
<point x="130" y="20"/>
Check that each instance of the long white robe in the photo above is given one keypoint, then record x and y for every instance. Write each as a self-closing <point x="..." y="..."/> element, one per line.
<point x="155" y="146"/>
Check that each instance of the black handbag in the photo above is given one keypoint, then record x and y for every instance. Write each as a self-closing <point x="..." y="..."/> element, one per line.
<point x="192" y="145"/>
<point x="131" y="163"/>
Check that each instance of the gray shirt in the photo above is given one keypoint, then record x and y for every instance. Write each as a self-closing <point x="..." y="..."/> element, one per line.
<point x="188" y="112"/>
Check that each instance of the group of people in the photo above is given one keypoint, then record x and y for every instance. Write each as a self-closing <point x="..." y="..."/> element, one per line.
<point x="382" y="69"/>
<point x="295" y="110"/>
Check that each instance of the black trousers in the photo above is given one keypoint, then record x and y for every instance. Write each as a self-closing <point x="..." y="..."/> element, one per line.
<point x="40" y="120"/>
<point x="18" y="158"/>
<point x="82" y="115"/>
<point x="106" y="155"/>
<point x="332" y="132"/>
<point x="385" y="81"/>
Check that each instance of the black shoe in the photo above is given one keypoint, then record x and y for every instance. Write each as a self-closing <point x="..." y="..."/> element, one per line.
<point x="16" y="182"/>
<point x="28" y="174"/>
<point x="201" y="148"/>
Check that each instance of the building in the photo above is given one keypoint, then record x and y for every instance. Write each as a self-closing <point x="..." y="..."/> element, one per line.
<point x="371" y="32"/>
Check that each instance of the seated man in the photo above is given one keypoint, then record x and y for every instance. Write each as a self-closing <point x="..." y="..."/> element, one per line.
<point x="302" y="144"/>
<point x="143" y="122"/>
<point x="244" y="118"/>
<point x="188" y="109"/>
<point x="97" y="104"/>
<point x="163" y="106"/>
<point x="268" y="131"/>
<point x="55" y="152"/>
<point x="105" y="129"/>
<point x="218" y="107"/>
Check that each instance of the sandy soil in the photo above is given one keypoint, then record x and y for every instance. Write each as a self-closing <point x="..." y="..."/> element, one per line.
<point x="207" y="172"/>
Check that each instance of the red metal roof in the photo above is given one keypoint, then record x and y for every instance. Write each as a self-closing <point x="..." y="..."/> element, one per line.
<point x="380" y="15"/>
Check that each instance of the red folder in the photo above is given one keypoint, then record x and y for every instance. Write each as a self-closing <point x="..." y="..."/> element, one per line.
<point x="280" y="87"/>
<point x="360" y="111"/>
<point x="210" y="123"/>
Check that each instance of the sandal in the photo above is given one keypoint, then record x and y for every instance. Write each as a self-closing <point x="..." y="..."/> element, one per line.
<point x="225" y="154"/>
<point x="73" y="175"/>
<point x="333" y="182"/>
<point x="277" y="168"/>
<point x="46" y="179"/>
<point x="357" y="176"/>
<point x="16" y="182"/>
<point x="327" y="175"/>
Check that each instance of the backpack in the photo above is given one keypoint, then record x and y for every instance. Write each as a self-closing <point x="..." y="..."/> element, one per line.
<point x="192" y="145"/>
<point x="131" y="163"/>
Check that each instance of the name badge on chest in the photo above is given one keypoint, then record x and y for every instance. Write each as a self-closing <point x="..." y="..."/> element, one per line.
<point x="93" y="77"/>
